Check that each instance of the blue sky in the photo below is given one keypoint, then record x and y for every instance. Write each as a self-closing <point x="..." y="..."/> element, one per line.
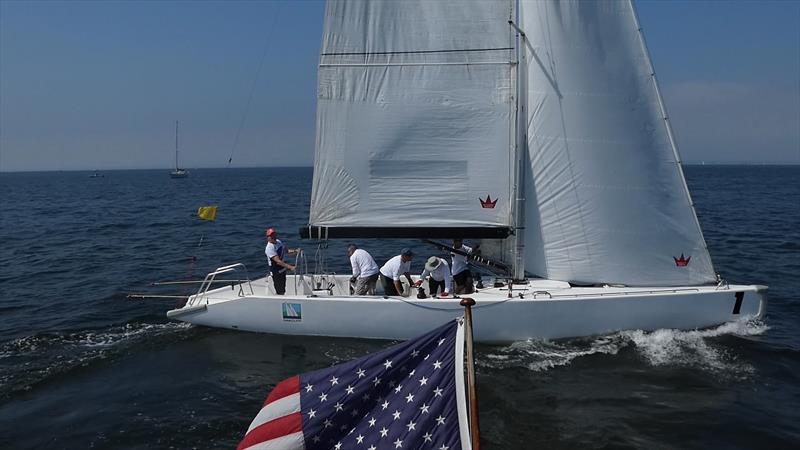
<point x="98" y="85"/>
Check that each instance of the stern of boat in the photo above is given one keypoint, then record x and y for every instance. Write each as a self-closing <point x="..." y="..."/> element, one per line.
<point x="760" y="295"/>
<point x="237" y="285"/>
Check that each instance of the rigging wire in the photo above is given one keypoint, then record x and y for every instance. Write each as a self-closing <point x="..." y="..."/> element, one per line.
<point x="255" y="82"/>
<point x="194" y="257"/>
<point x="186" y="289"/>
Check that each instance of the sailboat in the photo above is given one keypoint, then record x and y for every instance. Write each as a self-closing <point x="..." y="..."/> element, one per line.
<point x="178" y="172"/>
<point x="534" y="127"/>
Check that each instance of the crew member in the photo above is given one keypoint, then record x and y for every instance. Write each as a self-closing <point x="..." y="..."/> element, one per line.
<point x="439" y="271"/>
<point x="365" y="271"/>
<point x="391" y="271"/>
<point x="461" y="274"/>
<point x="276" y="253"/>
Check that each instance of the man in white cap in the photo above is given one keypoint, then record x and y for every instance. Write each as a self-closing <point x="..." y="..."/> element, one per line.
<point x="391" y="271"/>
<point x="365" y="271"/>
<point x="439" y="272"/>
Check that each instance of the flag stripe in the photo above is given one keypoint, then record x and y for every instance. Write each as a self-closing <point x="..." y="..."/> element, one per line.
<point x="292" y="441"/>
<point x="285" y="388"/>
<point x="274" y="429"/>
<point x="276" y="409"/>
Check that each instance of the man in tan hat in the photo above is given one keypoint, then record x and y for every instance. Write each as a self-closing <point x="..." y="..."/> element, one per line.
<point x="440" y="278"/>
<point x="276" y="253"/>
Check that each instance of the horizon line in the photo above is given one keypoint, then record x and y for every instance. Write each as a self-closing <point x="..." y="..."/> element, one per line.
<point x="694" y="163"/>
<point x="153" y="168"/>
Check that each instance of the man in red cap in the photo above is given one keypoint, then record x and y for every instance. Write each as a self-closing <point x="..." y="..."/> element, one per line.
<point x="276" y="253"/>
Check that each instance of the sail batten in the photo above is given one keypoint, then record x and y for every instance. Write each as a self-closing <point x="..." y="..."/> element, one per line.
<point x="344" y="232"/>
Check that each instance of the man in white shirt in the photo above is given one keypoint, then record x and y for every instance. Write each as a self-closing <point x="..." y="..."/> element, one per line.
<point x="276" y="253"/>
<point x="461" y="274"/>
<point x="365" y="271"/>
<point x="391" y="271"/>
<point x="439" y="272"/>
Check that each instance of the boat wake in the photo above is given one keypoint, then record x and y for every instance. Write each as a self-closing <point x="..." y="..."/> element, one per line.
<point x="696" y="349"/>
<point x="32" y="360"/>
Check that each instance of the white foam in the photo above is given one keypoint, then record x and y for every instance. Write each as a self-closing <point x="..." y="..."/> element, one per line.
<point x="88" y="339"/>
<point x="694" y="348"/>
<point x="124" y="333"/>
<point x="545" y="355"/>
<point x="47" y="355"/>
<point x="657" y="348"/>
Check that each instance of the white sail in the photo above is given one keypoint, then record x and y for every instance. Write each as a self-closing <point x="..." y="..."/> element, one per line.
<point x="606" y="197"/>
<point x="415" y="115"/>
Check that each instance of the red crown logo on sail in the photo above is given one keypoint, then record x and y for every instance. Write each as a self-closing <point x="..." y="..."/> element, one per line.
<point x="682" y="261"/>
<point x="488" y="203"/>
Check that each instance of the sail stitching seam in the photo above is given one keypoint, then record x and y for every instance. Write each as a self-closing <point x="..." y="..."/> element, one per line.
<point x="407" y="52"/>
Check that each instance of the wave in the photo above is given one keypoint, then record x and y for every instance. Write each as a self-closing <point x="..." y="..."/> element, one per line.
<point x="32" y="360"/>
<point x="693" y="348"/>
<point x="665" y="347"/>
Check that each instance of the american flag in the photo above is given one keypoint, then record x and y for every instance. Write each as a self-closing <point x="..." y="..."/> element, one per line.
<point x="409" y="396"/>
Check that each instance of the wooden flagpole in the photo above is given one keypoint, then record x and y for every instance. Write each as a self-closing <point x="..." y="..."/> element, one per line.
<point x="473" y="398"/>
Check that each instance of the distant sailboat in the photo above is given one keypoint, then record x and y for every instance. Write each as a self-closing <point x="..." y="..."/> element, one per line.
<point x="178" y="172"/>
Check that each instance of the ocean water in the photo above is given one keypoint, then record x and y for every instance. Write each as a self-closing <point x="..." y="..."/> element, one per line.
<point x="83" y="367"/>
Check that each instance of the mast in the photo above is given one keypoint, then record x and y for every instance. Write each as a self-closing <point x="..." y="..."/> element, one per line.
<point x="176" y="145"/>
<point x="521" y="146"/>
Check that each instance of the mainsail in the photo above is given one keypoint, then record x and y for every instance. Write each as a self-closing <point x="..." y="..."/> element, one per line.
<point x="415" y="120"/>
<point x="606" y="198"/>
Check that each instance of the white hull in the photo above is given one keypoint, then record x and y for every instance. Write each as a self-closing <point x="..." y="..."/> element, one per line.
<point x="547" y="310"/>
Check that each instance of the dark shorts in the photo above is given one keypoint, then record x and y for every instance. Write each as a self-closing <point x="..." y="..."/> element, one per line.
<point x="434" y="286"/>
<point x="388" y="286"/>
<point x="463" y="281"/>
<point x="278" y="280"/>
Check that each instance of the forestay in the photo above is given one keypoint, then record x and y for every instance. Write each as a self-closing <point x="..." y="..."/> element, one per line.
<point x="415" y="117"/>
<point x="606" y="196"/>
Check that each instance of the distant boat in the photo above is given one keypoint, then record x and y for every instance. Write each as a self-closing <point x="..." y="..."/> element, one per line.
<point x="96" y="174"/>
<point x="178" y="172"/>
